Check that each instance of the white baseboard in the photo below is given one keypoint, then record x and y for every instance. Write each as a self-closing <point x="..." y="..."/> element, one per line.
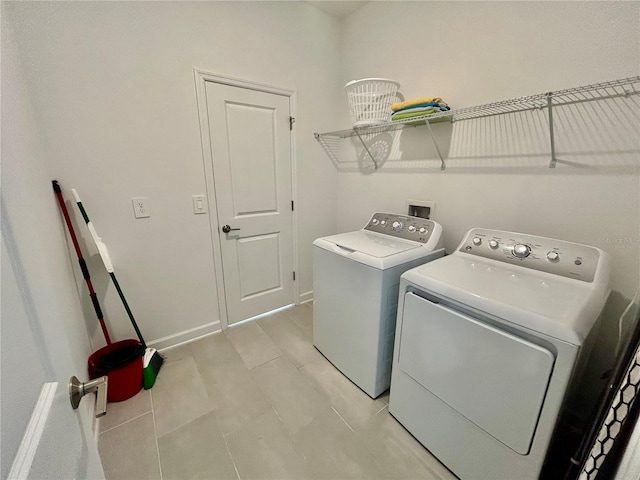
<point x="186" y="337"/>
<point x="306" y="297"/>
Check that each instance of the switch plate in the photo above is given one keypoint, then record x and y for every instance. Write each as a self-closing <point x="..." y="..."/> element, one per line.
<point x="140" y="207"/>
<point x="199" y="204"/>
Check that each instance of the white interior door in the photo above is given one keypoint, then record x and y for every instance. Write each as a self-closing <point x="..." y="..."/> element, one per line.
<point x="250" y="142"/>
<point x="42" y="436"/>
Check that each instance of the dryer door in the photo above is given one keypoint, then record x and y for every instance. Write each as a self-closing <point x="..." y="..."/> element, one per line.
<point x="494" y="379"/>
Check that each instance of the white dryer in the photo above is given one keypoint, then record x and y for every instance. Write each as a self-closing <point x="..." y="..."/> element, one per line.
<point x="356" y="276"/>
<point x="487" y="341"/>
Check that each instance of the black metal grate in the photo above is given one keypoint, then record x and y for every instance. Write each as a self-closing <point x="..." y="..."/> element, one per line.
<point x="620" y="407"/>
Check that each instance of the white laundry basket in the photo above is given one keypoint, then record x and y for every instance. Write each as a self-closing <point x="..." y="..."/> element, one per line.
<point x="370" y="100"/>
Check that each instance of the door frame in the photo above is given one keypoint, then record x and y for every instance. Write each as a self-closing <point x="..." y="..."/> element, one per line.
<point x="201" y="77"/>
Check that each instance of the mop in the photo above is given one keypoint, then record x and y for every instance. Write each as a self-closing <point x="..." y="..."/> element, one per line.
<point x="81" y="261"/>
<point x="152" y="361"/>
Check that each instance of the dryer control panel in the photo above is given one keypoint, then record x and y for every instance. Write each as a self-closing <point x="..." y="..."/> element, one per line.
<point x="568" y="259"/>
<point x="401" y="226"/>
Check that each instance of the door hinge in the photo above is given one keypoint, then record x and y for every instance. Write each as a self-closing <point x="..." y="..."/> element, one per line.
<point x="291" y="205"/>
<point x="292" y="120"/>
<point x="294" y="276"/>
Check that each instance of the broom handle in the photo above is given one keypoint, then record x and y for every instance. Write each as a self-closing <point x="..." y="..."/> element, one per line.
<point x="83" y="264"/>
<point x="126" y="307"/>
<point x="106" y="259"/>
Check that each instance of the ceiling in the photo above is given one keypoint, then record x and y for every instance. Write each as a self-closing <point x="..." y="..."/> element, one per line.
<point x="337" y="8"/>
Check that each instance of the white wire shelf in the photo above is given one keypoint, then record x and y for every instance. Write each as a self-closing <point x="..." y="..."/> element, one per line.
<point x="588" y="93"/>
<point x="390" y="126"/>
<point x="569" y="96"/>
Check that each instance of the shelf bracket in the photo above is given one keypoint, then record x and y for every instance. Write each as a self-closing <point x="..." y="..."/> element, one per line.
<point x="327" y="149"/>
<point x="366" y="148"/>
<point x="435" y="144"/>
<point x="552" y="164"/>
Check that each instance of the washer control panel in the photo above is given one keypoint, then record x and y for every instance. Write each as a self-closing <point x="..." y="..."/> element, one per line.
<point x="401" y="226"/>
<point x="567" y="259"/>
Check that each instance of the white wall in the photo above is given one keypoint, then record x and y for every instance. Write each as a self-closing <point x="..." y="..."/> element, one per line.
<point x="113" y="89"/>
<point x="494" y="51"/>
<point x="39" y="302"/>
<point x="476" y="52"/>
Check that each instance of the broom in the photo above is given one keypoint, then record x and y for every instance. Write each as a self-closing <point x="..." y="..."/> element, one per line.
<point x="152" y="361"/>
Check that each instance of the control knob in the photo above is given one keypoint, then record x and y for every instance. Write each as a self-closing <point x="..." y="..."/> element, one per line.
<point x="477" y="241"/>
<point x="412" y="228"/>
<point x="493" y="244"/>
<point x="422" y="230"/>
<point x="375" y="221"/>
<point x="396" y="226"/>
<point x="553" y="256"/>
<point x="383" y="223"/>
<point x="521" y="250"/>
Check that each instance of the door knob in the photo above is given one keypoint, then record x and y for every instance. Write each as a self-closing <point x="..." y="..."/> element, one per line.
<point x="77" y="390"/>
<point x="227" y="229"/>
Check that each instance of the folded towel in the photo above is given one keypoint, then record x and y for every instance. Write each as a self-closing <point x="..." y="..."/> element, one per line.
<point x="405" y="116"/>
<point x="423" y="108"/>
<point x="420" y="105"/>
<point x="416" y="101"/>
<point x="416" y="112"/>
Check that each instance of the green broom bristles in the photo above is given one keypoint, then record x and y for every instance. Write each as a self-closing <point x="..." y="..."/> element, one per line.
<point x="151" y="366"/>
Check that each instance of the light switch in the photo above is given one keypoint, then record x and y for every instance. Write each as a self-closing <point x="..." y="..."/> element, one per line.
<point x="199" y="204"/>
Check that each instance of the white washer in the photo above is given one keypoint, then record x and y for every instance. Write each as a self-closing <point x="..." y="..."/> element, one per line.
<point x="487" y="341"/>
<point x="356" y="276"/>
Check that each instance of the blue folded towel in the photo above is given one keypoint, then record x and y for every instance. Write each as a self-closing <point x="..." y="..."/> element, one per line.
<point x="428" y="104"/>
<point x="425" y="107"/>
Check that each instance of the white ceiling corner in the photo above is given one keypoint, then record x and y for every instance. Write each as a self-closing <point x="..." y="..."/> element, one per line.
<point x="337" y="8"/>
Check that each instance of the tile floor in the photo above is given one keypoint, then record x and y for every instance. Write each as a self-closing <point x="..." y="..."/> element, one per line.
<point x="258" y="402"/>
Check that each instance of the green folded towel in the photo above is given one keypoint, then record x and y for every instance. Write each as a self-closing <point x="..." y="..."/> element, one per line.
<point x="423" y="121"/>
<point x="402" y="116"/>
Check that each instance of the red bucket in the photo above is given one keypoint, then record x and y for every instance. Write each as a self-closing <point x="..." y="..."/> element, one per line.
<point x="125" y="373"/>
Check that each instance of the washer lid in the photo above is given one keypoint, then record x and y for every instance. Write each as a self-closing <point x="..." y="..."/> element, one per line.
<point x="375" y="245"/>
<point x="562" y="308"/>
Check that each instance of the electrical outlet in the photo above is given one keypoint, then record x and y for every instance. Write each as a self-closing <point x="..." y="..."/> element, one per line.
<point x="141" y="207"/>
